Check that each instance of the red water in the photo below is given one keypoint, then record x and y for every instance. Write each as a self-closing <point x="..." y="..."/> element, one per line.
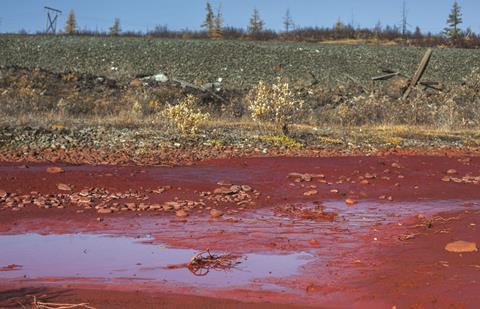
<point x="352" y="260"/>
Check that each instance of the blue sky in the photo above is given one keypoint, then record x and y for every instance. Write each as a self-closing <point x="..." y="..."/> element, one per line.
<point x="142" y="15"/>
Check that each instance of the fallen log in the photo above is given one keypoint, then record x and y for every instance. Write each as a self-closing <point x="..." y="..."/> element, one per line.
<point x="203" y="89"/>
<point x="207" y="88"/>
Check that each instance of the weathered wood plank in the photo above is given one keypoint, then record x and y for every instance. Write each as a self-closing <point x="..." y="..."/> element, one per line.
<point x="419" y="73"/>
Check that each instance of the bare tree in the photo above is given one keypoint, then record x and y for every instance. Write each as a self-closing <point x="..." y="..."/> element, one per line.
<point x="256" y="24"/>
<point x="468" y="34"/>
<point x="71" y="24"/>
<point x="418" y="33"/>
<point x="339" y="25"/>
<point x="377" y="30"/>
<point x="288" y="21"/>
<point x="404" y="19"/>
<point x="217" y="32"/>
<point x="115" y="28"/>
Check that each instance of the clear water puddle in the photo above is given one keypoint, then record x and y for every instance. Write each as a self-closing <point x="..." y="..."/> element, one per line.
<point x="94" y="256"/>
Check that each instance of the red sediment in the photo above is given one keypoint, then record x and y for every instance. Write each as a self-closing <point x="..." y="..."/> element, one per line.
<point x="385" y="250"/>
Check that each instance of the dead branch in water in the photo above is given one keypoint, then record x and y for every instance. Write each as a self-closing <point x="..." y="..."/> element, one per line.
<point x="41" y="305"/>
<point x="201" y="263"/>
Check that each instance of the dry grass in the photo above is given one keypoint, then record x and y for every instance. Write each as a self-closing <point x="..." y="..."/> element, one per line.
<point x="360" y="42"/>
<point x="333" y="115"/>
<point x="44" y="305"/>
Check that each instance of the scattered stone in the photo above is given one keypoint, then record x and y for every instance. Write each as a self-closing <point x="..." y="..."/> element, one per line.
<point x="175" y="205"/>
<point x="316" y="213"/>
<point x="468" y="179"/>
<point x="214" y="213"/>
<point x="131" y="206"/>
<point x="63" y="187"/>
<point x="310" y="193"/>
<point x="313" y="242"/>
<point x="181" y="213"/>
<point x="461" y="246"/>
<point x="298" y="177"/>
<point x="451" y="171"/>
<point x="55" y="170"/>
<point x="310" y="288"/>
<point x="3" y="193"/>
<point x="421" y="217"/>
<point x="405" y="237"/>
<point x="156" y="207"/>
<point x="235" y="189"/>
<point x="167" y="207"/>
<point x="246" y="188"/>
<point x="350" y="201"/>
<point x="143" y="206"/>
<point x="104" y="211"/>
<point x="222" y="190"/>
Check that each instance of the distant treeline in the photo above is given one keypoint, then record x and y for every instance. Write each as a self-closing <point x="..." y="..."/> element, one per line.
<point x="213" y="28"/>
<point x="316" y="34"/>
<point x="311" y="34"/>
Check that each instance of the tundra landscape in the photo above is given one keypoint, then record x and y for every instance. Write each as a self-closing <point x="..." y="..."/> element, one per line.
<point x="178" y="171"/>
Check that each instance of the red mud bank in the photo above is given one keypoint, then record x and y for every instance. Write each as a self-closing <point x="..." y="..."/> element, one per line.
<point x="348" y="232"/>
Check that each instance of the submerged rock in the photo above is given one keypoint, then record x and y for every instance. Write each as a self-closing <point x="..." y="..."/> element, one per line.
<point x="461" y="246"/>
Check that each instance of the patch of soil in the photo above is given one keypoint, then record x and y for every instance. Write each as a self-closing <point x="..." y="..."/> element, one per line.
<point x="110" y="299"/>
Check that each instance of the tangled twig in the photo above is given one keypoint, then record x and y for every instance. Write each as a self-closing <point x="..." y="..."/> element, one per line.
<point x="201" y="263"/>
<point x="41" y="305"/>
<point x="309" y="213"/>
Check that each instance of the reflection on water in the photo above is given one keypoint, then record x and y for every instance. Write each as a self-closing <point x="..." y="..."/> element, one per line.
<point x="100" y="256"/>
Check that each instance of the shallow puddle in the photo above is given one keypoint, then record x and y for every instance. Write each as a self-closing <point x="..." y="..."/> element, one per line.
<point x="366" y="213"/>
<point x="92" y="256"/>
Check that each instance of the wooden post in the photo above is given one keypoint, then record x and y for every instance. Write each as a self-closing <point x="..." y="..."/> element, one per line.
<point x="418" y="74"/>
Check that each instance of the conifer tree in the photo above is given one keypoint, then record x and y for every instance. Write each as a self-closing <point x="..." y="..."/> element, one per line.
<point x="209" y="22"/>
<point x="115" y="28"/>
<point x="256" y="24"/>
<point x="288" y="21"/>
<point x="217" y="32"/>
<point x="71" y="25"/>
<point x="452" y="31"/>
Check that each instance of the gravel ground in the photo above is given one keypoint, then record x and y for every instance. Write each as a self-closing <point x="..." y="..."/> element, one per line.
<point x="240" y="64"/>
<point x="143" y="140"/>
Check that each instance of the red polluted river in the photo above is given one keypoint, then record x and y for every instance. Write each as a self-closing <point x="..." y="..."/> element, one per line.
<point x="285" y="232"/>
